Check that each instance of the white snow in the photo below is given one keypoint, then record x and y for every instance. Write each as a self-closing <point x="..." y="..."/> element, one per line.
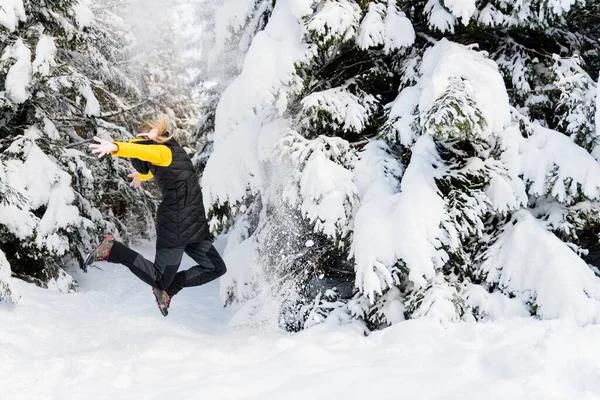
<point x="387" y="26"/>
<point x="83" y="15"/>
<point x="399" y="31"/>
<point x="462" y="9"/>
<point x="240" y="256"/>
<point x="547" y="153"/>
<point x="535" y="266"/>
<point x="8" y="289"/>
<point x="45" y="52"/>
<point x="50" y="129"/>
<point x="560" y="7"/>
<point x="403" y="114"/>
<point x="597" y="115"/>
<point x="110" y="341"/>
<point x="495" y="305"/>
<point x="2" y="179"/>
<point x="371" y="32"/>
<point x="439" y="17"/>
<point x="18" y="77"/>
<point x="230" y="17"/>
<point x="336" y="19"/>
<point x="324" y="188"/>
<point x="391" y="226"/>
<point x="377" y="171"/>
<point x="505" y="194"/>
<point x="92" y="105"/>
<point x="438" y="301"/>
<point x="447" y="62"/>
<point x="348" y="111"/>
<point x="268" y="72"/>
<point x="43" y="184"/>
<point x="228" y="177"/>
<point x="20" y="222"/>
<point x="490" y="16"/>
<point x="446" y="65"/>
<point x="11" y="12"/>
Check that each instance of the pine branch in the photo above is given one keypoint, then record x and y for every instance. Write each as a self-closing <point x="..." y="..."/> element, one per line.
<point x="427" y="37"/>
<point x="360" y="143"/>
<point x="80" y="143"/>
<point x="123" y="110"/>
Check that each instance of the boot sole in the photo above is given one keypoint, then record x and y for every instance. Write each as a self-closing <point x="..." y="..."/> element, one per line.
<point x="163" y="311"/>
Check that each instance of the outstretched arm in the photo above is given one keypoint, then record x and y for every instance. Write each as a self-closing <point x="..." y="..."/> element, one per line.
<point x="158" y="154"/>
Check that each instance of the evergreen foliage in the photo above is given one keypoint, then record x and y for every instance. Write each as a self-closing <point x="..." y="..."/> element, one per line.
<point x="413" y="151"/>
<point x="67" y="75"/>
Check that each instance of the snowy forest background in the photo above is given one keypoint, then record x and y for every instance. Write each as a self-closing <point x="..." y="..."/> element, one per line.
<point x="370" y="161"/>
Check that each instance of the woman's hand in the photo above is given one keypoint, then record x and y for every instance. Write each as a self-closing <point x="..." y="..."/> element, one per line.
<point x="152" y="135"/>
<point x="136" y="182"/>
<point x="103" y="147"/>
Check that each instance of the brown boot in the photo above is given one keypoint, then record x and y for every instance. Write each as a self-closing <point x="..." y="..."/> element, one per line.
<point x="101" y="252"/>
<point x="163" y="300"/>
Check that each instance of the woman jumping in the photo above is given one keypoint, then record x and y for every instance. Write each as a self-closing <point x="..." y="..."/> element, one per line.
<point x="181" y="224"/>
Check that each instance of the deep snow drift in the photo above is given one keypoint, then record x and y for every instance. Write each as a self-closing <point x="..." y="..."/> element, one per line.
<point x="110" y="341"/>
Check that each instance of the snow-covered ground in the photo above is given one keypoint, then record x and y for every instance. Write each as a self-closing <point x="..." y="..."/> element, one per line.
<point x="110" y="341"/>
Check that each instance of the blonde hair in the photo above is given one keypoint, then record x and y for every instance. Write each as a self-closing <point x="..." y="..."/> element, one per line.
<point x="161" y="125"/>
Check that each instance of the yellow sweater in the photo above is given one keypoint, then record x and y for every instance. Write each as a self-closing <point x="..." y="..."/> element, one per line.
<point x="157" y="154"/>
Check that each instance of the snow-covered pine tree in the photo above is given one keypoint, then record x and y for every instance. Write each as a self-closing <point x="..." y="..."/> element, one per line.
<point x="381" y="138"/>
<point x="292" y="207"/>
<point x="482" y="187"/>
<point x="218" y="35"/>
<point x="68" y="75"/>
<point x="8" y="197"/>
<point x="38" y="239"/>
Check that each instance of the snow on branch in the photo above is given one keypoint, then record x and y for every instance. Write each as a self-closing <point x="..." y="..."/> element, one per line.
<point x="462" y="9"/>
<point x="391" y="226"/>
<point x="335" y="19"/>
<point x="474" y="79"/>
<point x="553" y="165"/>
<point x="11" y="12"/>
<point x="439" y="17"/>
<point x="454" y="115"/>
<point x="372" y="27"/>
<point x="576" y="105"/>
<point x="535" y="266"/>
<point x="8" y="291"/>
<point x="597" y="115"/>
<point x="346" y="110"/>
<point x="269" y="71"/>
<point x="490" y="16"/>
<point x="440" y="301"/>
<point x="92" y="105"/>
<point x="321" y="187"/>
<point x="18" y="77"/>
<point x="387" y="26"/>
<point x="234" y="168"/>
<point x="230" y="19"/>
<point x="460" y="93"/>
<point x="46" y="186"/>
<point x="45" y="52"/>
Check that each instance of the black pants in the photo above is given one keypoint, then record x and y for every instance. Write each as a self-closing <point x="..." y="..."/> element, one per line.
<point x="162" y="273"/>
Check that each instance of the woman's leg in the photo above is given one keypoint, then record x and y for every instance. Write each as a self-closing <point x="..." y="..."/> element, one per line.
<point x="210" y="267"/>
<point x="159" y="273"/>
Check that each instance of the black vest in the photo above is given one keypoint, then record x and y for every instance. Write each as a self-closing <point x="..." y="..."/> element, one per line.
<point x="180" y="218"/>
